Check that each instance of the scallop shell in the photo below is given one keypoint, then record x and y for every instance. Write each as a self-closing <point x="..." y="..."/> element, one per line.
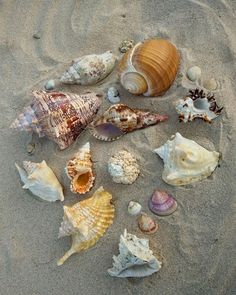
<point x="89" y="69"/>
<point x="120" y="119"/>
<point x="134" y="208"/>
<point x="135" y="258"/>
<point x="59" y="116"/>
<point x="185" y="161"/>
<point x="86" y="222"/>
<point x="41" y="181"/>
<point x="198" y="105"/>
<point x="123" y="167"/>
<point x="146" y="224"/>
<point x="149" y="68"/>
<point x="162" y="203"/>
<point x="79" y="170"/>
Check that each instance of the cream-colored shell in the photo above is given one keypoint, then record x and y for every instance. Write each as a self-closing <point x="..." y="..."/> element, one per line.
<point x="41" y="181"/>
<point x="185" y="161"/>
<point x="123" y="167"/>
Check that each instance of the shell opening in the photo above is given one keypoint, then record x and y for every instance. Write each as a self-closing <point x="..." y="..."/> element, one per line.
<point x="135" y="83"/>
<point x="82" y="180"/>
<point x="201" y="104"/>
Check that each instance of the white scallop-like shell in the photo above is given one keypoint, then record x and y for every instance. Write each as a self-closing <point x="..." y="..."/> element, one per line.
<point x="41" y="181"/>
<point x="185" y="161"/>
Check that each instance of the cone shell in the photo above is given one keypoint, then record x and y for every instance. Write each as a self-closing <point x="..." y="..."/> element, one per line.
<point x="59" y="116"/>
<point x="79" y="170"/>
<point x="87" y="221"/>
<point x="149" y="68"/>
<point x="146" y="224"/>
<point x="120" y="119"/>
<point x="162" y="203"/>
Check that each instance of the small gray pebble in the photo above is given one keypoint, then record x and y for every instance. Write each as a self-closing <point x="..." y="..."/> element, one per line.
<point x="36" y="36"/>
<point x="49" y="85"/>
<point x="30" y="148"/>
<point x="194" y="73"/>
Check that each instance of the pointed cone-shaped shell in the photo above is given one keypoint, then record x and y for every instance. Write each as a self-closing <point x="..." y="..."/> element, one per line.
<point x="87" y="221"/>
<point x="79" y="170"/>
<point x="162" y="203"/>
<point x="149" y="68"/>
<point x="41" y="181"/>
<point x="120" y="119"/>
<point x="198" y="105"/>
<point x="60" y="116"/>
<point x="146" y="224"/>
<point x="185" y="161"/>
<point x="90" y="69"/>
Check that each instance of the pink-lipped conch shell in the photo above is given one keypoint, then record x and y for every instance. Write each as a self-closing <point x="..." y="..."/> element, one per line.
<point x="59" y="116"/>
<point x="198" y="105"/>
<point x="162" y="203"/>
<point x="120" y="119"/>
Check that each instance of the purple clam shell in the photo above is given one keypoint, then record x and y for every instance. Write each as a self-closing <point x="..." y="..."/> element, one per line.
<point x="162" y="203"/>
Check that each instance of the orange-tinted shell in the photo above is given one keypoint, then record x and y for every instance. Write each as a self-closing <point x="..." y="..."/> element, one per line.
<point x="150" y="67"/>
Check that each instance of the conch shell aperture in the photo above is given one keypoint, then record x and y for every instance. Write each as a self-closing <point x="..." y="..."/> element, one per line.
<point x="86" y="222"/>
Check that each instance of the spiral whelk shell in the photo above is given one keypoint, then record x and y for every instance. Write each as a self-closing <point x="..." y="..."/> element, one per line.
<point x="149" y="68"/>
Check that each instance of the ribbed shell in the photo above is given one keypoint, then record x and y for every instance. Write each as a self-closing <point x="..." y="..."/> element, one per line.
<point x="150" y="67"/>
<point x="90" y="219"/>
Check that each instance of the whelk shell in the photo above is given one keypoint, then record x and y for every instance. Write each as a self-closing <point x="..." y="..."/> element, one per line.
<point x="149" y="68"/>
<point x="146" y="224"/>
<point x="79" y="170"/>
<point x="162" y="203"/>
<point x="86" y="222"/>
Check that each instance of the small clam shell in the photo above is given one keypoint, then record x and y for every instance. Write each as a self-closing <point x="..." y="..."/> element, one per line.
<point x="162" y="203"/>
<point x="210" y="84"/>
<point x="147" y="224"/>
<point x="194" y="73"/>
<point x="134" y="208"/>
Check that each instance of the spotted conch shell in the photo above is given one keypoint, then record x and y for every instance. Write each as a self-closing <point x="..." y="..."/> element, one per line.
<point x="86" y="222"/>
<point x="135" y="258"/>
<point x="41" y="181"/>
<point x="185" y="161"/>
<point x="79" y="170"/>
<point x="89" y="69"/>
<point x="59" y="116"/>
<point x="120" y="119"/>
<point x="149" y="68"/>
<point x="198" y="105"/>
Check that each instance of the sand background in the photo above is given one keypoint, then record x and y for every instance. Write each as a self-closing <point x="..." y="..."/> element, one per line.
<point x="197" y="243"/>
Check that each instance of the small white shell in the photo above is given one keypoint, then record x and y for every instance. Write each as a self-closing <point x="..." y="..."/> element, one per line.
<point x="210" y="84"/>
<point x="134" y="208"/>
<point x="49" y="85"/>
<point x="41" y="181"/>
<point x="194" y="73"/>
<point x="113" y="95"/>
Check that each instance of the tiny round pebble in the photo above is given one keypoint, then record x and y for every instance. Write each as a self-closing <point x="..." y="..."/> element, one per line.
<point x="113" y="95"/>
<point x="194" y="73"/>
<point x="210" y="84"/>
<point x="36" y="36"/>
<point x="49" y="85"/>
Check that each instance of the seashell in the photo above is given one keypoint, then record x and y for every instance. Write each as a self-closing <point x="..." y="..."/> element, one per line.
<point x="123" y="167"/>
<point x="79" y="170"/>
<point x="197" y="105"/>
<point x="194" y="73"/>
<point x="89" y="69"/>
<point x="135" y="258"/>
<point x="134" y="208"/>
<point x="49" y="85"/>
<point x="149" y="68"/>
<point x="41" y="181"/>
<point x="185" y="161"/>
<point x="59" y="116"/>
<point x="113" y="95"/>
<point x="126" y="45"/>
<point x="86" y="222"/>
<point x="120" y="119"/>
<point x="162" y="203"/>
<point x="210" y="84"/>
<point x="146" y="224"/>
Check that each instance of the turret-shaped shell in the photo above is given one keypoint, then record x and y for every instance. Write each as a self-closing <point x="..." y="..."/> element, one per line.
<point x="41" y="181"/>
<point x="135" y="258"/>
<point x="185" y="161"/>
<point x="86" y="222"/>
<point x="123" y="167"/>
<point x="79" y="170"/>
<point x="120" y="119"/>
<point x="149" y="68"/>
<point x="59" y="116"/>
<point x="198" y="105"/>
<point x="89" y="69"/>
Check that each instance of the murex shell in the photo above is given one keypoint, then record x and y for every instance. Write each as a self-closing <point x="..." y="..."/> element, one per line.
<point x="149" y="68"/>
<point x="162" y="203"/>
<point x="135" y="258"/>
<point x="86" y="222"/>
<point x="41" y="181"/>
<point x="185" y="161"/>
<point x="120" y="119"/>
<point x="197" y="105"/>
<point x="123" y="167"/>
<point x="59" y="116"/>
<point x="79" y="170"/>
<point x="89" y="69"/>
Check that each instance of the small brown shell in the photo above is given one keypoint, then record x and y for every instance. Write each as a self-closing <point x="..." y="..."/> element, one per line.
<point x="146" y="224"/>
